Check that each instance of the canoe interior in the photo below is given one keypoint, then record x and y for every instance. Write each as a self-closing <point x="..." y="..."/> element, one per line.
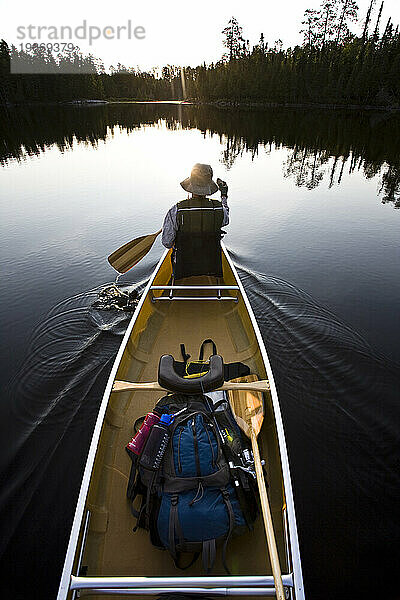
<point x="111" y="548"/>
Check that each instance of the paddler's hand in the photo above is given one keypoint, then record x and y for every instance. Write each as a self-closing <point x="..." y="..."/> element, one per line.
<point x="223" y="187"/>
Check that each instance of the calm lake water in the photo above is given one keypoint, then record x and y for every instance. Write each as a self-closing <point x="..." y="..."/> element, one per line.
<point x="315" y="232"/>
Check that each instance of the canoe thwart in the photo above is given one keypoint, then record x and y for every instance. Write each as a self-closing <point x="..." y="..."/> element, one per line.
<point x="154" y="386"/>
<point x="195" y="298"/>
<point x="195" y="287"/>
<point x="199" y="288"/>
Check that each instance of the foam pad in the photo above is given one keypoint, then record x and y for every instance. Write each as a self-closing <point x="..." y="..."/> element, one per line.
<point x="169" y="379"/>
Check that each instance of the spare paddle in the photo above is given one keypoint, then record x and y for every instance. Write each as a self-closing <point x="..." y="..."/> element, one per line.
<point x="129" y="254"/>
<point x="248" y="408"/>
<point x="154" y="386"/>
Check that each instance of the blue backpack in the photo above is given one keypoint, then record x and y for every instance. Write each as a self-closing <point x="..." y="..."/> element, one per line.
<point x="190" y="505"/>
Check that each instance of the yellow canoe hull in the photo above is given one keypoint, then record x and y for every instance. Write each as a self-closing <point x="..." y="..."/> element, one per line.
<point x="158" y="327"/>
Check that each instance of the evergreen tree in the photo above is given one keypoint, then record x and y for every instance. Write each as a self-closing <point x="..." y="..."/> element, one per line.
<point x="233" y="39"/>
<point x="326" y="23"/>
<point x="310" y="31"/>
<point x="367" y="21"/>
<point x="348" y="14"/>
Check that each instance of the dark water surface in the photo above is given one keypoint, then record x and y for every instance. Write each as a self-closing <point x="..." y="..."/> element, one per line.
<point x="315" y="234"/>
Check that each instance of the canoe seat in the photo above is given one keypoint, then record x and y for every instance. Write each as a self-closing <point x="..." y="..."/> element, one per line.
<point x="169" y="379"/>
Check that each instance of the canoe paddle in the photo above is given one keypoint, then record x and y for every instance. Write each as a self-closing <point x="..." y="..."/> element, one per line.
<point x="248" y="409"/>
<point x="129" y="254"/>
<point x="154" y="386"/>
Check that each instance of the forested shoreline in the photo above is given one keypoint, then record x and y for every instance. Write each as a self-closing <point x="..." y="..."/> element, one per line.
<point x="333" y="68"/>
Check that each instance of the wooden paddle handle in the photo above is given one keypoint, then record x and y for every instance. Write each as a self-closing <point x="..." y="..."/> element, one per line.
<point x="269" y="528"/>
<point x="254" y="386"/>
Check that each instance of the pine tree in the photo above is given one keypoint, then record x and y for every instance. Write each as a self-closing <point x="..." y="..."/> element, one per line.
<point x="367" y="21"/>
<point x="326" y="24"/>
<point x="233" y="39"/>
<point x="376" y="30"/>
<point x="348" y="14"/>
<point x="310" y="31"/>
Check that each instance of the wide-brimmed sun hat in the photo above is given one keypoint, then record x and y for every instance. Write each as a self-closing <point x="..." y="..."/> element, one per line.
<point x="200" y="181"/>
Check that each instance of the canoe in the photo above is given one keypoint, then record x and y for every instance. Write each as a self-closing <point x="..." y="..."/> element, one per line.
<point x="104" y="556"/>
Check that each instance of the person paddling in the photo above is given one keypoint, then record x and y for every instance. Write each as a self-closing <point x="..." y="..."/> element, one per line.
<point x="193" y="226"/>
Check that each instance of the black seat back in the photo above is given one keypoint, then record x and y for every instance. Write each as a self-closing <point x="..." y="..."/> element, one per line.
<point x="169" y="379"/>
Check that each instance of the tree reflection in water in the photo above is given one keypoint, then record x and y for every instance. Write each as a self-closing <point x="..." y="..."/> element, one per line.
<point x="309" y="167"/>
<point x="322" y="144"/>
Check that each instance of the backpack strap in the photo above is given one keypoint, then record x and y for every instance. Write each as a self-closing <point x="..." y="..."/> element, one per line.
<point x="185" y="356"/>
<point x="209" y="553"/>
<point x="131" y="490"/>
<point x="135" y="488"/>
<point x="231" y="514"/>
<point x="148" y="496"/>
<point x="207" y="341"/>
<point x="177" y="485"/>
<point x="174" y="527"/>
<point x="138" y="514"/>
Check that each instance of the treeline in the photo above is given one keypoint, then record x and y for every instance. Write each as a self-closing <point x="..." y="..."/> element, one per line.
<point x="40" y="77"/>
<point x="355" y="73"/>
<point x="332" y="67"/>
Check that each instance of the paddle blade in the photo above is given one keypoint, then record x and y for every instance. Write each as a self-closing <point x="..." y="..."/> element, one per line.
<point x="131" y="253"/>
<point x="247" y="407"/>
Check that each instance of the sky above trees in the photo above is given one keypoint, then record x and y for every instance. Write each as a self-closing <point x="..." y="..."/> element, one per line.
<point x="176" y="32"/>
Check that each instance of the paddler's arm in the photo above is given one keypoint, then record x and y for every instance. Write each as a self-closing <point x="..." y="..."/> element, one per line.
<point x="170" y="227"/>
<point x="223" y="188"/>
<point x="225" y="208"/>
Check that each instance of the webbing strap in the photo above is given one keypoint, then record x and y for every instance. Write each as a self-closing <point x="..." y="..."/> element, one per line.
<point x="207" y="341"/>
<point x="209" y="554"/>
<point x="134" y="488"/>
<point x="173" y="515"/>
<point x="175" y="529"/>
<point x="148" y="493"/>
<point x="137" y="515"/>
<point x="225" y="495"/>
<point x="176" y="485"/>
<point x="131" y="490"/>
<point x="185" y="356"/>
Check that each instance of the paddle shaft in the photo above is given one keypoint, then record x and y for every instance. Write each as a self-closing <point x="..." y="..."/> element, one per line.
<point x="123" y="386"/>
<point x="268" y="525"/>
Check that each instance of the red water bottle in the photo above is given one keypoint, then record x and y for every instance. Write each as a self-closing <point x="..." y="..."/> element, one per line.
<point x="137" y="442"/>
